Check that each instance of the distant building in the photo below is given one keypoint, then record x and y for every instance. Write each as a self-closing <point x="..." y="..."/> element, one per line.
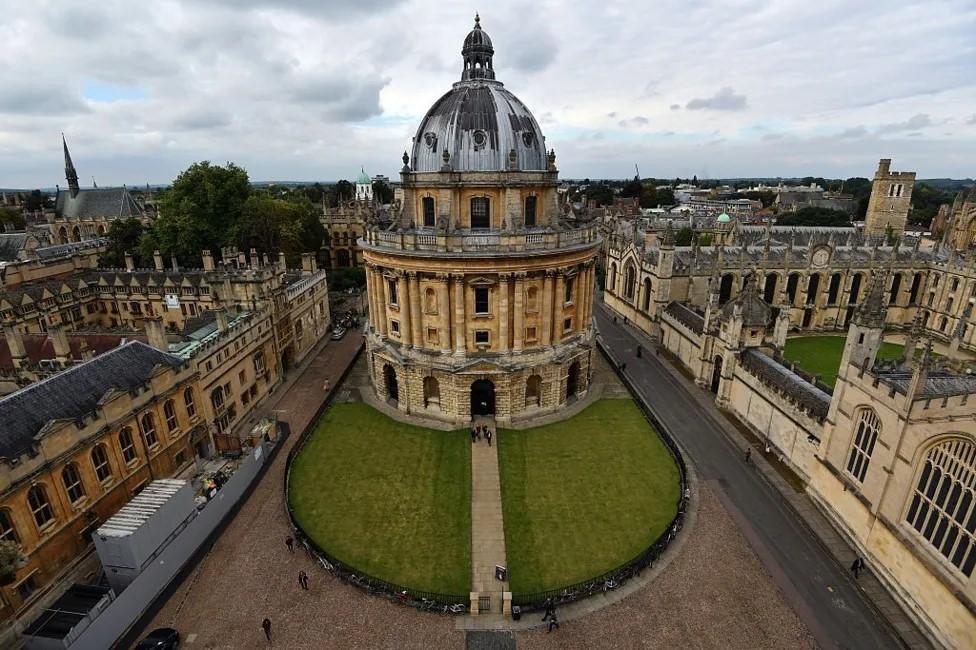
<point x="890" y="202"/>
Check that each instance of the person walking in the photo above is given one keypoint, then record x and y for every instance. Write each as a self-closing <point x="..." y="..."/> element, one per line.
<point x="488" y="435"/>
<point x="326" y="385"/>
<point x="550" y="610"/>
<point x="639" y="351"/>
<point x="266" y="626"/>
<point x="553" y="623"/>
<point x="749" y="456"/>
<point x="303" y="580"/>
<point x="857" y="566"/>
<point x="290" y="543"/>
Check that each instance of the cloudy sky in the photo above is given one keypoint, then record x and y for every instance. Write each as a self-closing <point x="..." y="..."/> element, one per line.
<point x="313" y="89"/>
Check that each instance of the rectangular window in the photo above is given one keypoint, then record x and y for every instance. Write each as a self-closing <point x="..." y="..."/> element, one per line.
<point x="391" y="286"/>
<point x="530" y="334"/>
<point x="530" y="211"/>
<point x="432" y="336"/>
<point x="567" y="324"/>
<point x="480" y="213"/>
<point x="481" y="337"/>
<point x="395" y="327"/>
<point x="429" y="212"/>
<point x="569" y="290"/>
<point x="481" y="300"/>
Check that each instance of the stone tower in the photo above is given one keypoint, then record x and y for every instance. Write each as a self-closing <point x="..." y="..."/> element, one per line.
<point x="891" y="195"/>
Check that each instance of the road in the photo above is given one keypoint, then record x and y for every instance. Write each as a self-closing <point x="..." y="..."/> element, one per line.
<point x="821" y="593"/>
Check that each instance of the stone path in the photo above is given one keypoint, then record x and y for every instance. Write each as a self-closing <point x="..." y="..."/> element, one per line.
<point x="487" y="526"/>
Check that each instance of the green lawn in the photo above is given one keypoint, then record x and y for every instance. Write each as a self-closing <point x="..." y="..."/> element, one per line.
<point x="820" y="355"/>
<point x="388" y="498"/>
<point x="583" y="496"/>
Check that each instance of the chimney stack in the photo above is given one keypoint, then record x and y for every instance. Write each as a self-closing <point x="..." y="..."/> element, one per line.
<point x="156" y="334"/>
<point x="15" y="342"/>
<point x="158" y="261"/>
<point x="308" y="263"/>
<point x="175" y="264"/>
<point x="282" y="264"/>
<point x="59" y="339"/>
<point x="208" y="261"/>
<point x="130" y="264"/>
<point x="255" y="260"/>
<point x="222" y="321"/>
<point x="264" y="260"/>
<point x="241" y="260"/>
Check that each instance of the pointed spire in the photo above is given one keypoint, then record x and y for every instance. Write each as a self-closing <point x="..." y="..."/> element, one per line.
<point x="69" y="170"/>
<point x="871" y="313"/>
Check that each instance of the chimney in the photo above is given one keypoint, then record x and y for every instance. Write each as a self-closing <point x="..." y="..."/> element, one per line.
<point x="241" y="260"/>
<point x="59" y="339"/>
<point x="308" y="263"/>
<point x="255" y="260"/>
<point x="221" y="320"/>
<point x="156" y="333"/>
<point x="208" y="261"/>
<point x="158" y="261"/>
<point x="282" y="264"/>
<point x="15" y="342"/>
<point x="174" y="263"/>
<point x="264" y="260"/>
<point x="130" y="264"/>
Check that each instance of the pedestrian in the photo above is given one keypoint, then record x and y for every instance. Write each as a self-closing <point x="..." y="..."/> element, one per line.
<point x="638" y="351"/>
<point x="474" y="434"/>
<point x="856" y="566"/>
<point x="550" y="610"/>
<point x="326" y="386"/>
<point x="290" y="543"/>
<point x="266" y="626"/>
<point x="749" y="455"/>
<point x="553" y="623"/>
<point x="488" y="435"/>
<point x="623" y="367"/>
<point x="303" y="580"/>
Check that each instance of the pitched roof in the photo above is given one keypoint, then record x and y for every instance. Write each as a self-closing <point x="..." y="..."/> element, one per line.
<point x="75" y="392"/>
<point x="39" y="347"/>
<point x="110" y="203"/>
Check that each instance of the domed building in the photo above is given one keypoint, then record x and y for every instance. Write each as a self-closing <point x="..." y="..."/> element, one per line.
<point x="480" y="288"/>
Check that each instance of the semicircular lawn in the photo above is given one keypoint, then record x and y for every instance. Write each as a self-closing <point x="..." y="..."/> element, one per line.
<point x="390" y="499"/>
<point x="584" y="495"/>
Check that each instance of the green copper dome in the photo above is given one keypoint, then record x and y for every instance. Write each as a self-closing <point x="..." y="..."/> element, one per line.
<point x="724" y="218"/>
<point x="364" y="178"/>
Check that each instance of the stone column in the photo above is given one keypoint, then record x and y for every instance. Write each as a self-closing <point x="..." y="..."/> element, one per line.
<point x="519" y="325"/>
<point x="444" y="311"/>
<point x="370" y="293"/>
<point x="583" y="297"/>
<point x="415" y="321"/>
<point x="460" y="344"/>
<point x="381" y="301"/>
<point x="558" y="300"/>
<point x="545" y="316"/>
<point x="403" y="302"/>
<point x="504" y="285"/>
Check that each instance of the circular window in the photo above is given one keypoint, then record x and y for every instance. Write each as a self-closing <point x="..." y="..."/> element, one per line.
<point x="527" y="138"/>
<point x="480" y="138"/>
<point x="430" y="139"/>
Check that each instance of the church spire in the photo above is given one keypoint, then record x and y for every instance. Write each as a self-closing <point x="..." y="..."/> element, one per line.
<point x="69" y="170"/>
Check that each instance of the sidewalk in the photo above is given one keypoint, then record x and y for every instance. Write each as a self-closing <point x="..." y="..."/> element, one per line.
<point x="828" y="536"/>
<point x="487" y="526"/>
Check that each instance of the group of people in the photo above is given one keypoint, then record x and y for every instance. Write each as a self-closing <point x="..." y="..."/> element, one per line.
<point x="479" y="431"/>
<point x="302" y="582"/>
<point x="550" y="616"/>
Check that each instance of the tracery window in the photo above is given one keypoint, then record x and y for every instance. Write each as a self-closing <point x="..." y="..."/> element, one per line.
<point x="943" y="508"/>
<point x="865" y="437"/>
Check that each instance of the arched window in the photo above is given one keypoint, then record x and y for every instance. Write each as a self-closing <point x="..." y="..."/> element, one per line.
<point x="169" y="411"/>
<point x="862" y="446"/>
<point x="791" y="284"/>
<point x="813" y="286"/>
<point x="480" y="212"/>
<point x="7" y="531"/>
<point x="530" y="211"/>
<point x="943" y="323"/>
<point x="191" y="408"/>
<point x="103" y="469"/>
<point x="72" y="483"/>
<point x="430" y="301"/>
<point x="612" y="284"/>
<point x="149" y="430"/>
<point x="913" y="292"/>
<point x="429" y="216"/>
<point x="630" y="282"/>
<point x="75" y="234"/>
<point x="895" y="288"/>
<point x="532" y="299"/>
<point x="432" y="392"/>
<point x="39" y="506"/>
<point x="769" y="288"/>
<point x="725" y="288"/>
<point x="646" y="295"/>
<point x="943" y="507"/>
<point x="533" y="389"/>
<point x="127" y="445"/>
<point x="855" y="289"/>
<point x="833" y="289"/>
<point x="62" y="235"/>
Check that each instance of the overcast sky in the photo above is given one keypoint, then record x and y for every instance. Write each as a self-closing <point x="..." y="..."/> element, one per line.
<point x="314" y="89"/>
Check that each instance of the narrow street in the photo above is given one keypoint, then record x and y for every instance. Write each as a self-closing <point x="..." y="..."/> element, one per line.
<point x="817" y="588"/>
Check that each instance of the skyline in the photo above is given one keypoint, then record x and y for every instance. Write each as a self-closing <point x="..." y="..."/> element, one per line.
<point x="296" y="90"/>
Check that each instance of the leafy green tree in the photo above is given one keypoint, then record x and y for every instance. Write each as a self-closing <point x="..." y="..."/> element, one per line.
<point x="684" y="236"/>
<point x="926" y="200"/>
<point x="124" y="236"/>
<point x="344" y="190"/>
<point x="704" y="239"/>
<point x="382" y="192"/>
<point x="813" y="216"/>
<point x="11" y="219"/>
<point x="601" y="193"/>
<point x="665" y="196"/>
<point x="632" y="188"/>
<point x="273" y="225"/>
<point x="348" y="278"/>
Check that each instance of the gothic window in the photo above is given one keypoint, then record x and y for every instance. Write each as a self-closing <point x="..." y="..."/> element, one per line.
<point x="769" y="288"/>
<point x="191" y="408"/>
<point x="813" y="286"/>
<point x="791" y="284"/>
<point x="103" y="469"/>
<point x="7" y="531"/>
<point x="833" y="289"/>
<point x="481" y="300"/>
<point x="127" y="445"/>
<point x="630" y="282"/>
<point x="149" y="430"/>
<point x="430" y="301"/>
<point x="725" y="288"/>
<point x="169" y="410"/>
<point x="913" y="292"/>
<point x="865" y="437"/>
<point x="72" y="482"/>
<point x="646" y="295"/>
<point x="480" y="213"/>
<point x="39" y="505"/>
<point x="429" y="217"/>
<point x="943" y="508"/>
<point x="530" y="211"/>
<point x="895" y="287"/>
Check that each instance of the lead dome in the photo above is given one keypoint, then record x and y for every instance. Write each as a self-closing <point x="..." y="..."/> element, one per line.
<point x="480" y="124"/>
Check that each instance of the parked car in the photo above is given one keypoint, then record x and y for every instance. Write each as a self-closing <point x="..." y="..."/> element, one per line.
<point x="162" y="638"/>
<point x="338" y="333"/>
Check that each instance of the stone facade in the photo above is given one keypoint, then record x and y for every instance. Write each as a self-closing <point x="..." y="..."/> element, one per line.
<point x="890" y="202"/>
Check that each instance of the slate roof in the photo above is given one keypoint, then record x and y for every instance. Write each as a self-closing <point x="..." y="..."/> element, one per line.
<point x="937" y="384"/>
<point x="796" y="389"/>
<point x="686" y="316"/>
<point x="110" y="203"/>
<point x="63" y="250"/>
<point x="755" y="312"/>
<point x="11" y="243"/>
<point x="71" y="394"/>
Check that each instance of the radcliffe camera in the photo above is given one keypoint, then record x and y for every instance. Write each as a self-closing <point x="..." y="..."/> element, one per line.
<point x="406" y="324"/>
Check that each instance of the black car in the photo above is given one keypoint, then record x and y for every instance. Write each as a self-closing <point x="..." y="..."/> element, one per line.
<point x="162" y="638"/>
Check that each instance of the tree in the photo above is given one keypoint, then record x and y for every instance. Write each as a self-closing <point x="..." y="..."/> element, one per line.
<point x="632" y="188"/>
<point x="11" y="559"/>
<point x="273" y="226"/>
<point x="344" y="191"/>
<point x="704" y="239"/>
<point x="926" y="200"/>
<point x="198" y="211"/>
<point x="348" y="278"/>
<point x="684" y="236"/>
<point x="665" y="196"/>
<point x="813" y="216"/>
<point x="382" y="192"/>
<point x="11" y="219"/>
<point x="124" y="236"/>
<point x="601" y="193"/>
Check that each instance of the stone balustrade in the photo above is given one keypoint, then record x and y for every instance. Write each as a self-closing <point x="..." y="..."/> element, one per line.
<point x="501" y="242"/>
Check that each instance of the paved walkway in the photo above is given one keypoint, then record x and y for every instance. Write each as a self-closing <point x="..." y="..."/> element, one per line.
<point x="837" y="610"/>
<point x="487" y="526"/>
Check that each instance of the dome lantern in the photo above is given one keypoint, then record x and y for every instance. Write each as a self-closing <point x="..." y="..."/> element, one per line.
<point x="476" y="54"/>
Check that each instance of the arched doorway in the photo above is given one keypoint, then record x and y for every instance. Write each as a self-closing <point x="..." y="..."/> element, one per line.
<point x="390" y="382"/>
<point x="432" y="393"/>
<point x="533" y="390"/>
<point x="716" y="374"/>
<point x="572" y="381"/>
<point x="482" y="398"/>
